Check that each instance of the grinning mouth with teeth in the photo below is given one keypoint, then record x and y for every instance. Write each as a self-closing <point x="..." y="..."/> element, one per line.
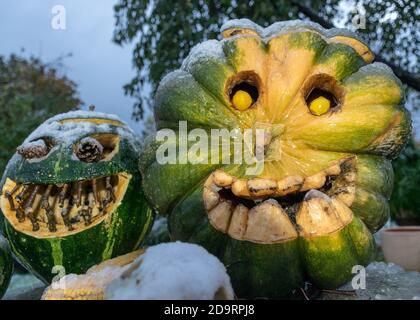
<point x="51" y="210"/>
<point x="264" y="210"/>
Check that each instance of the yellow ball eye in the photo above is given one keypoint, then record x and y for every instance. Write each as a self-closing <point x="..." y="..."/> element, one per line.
<point x="242" y="100"/>
<point x="320" y="105"/>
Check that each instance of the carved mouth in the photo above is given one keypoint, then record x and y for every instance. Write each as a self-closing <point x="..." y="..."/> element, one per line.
<point x="54" y="210"/>
<point x="269" y="211"/>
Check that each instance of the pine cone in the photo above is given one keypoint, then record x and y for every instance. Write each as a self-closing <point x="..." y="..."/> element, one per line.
<point x="89" y="150"/>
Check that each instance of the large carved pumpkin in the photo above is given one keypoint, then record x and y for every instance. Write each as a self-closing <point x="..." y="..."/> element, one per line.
<point x="332" y="121"/>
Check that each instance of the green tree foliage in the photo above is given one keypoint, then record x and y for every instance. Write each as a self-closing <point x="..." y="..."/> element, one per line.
<point x="165" y="31"/>
<point x="405" y="199"/>
<point x="392" y="27"/>
<point x="30" y="93"/>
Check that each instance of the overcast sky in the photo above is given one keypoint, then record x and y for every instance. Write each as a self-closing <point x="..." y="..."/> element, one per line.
<point x="99" y="67"/>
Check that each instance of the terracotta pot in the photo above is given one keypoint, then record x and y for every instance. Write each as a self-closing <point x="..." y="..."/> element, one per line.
<point x="401" y="245"/>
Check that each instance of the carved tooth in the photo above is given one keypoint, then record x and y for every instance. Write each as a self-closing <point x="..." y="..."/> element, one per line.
<point x="20" y="214"/>
<point x="86" y="212"/>
<point x="22" y="195"/>
<point x="88" y="217"/>
<point x="211" y="198"/>
<point x="334" y="170"/>
<point x="109" y="195"/>
<point x="109" y="188"/>
<point x="65" y="214"/>
<point x="240" y="188"/>
<point x="85" y="216"/>
<point x="48" y="210"/>
<point x="11" y="202"/>
<point x="83" y="212"/>
<point x="95" y="191"/>
<point x="289" y="185"/>
<point x="262" y="187"/>
<point x="268" y="223"/>
<point x="62" y="195"/>
<point x="29" y="211"/>
<point x="77" y="196"/>
<point x="45" y="196"/>
<point x="9" y="196"/>
<point x="220" y="215"/>
<point x="222" y="179"/>
<point x="321" y="215"/>
<point x="345" y="194"/>
<point x="238" y="222"/>
<point x="315" y="181"/>
<point x="90" y="204"/>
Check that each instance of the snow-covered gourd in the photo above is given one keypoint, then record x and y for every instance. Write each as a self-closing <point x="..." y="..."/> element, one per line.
<point x="6" y="266"/>
<point x="332" y="121"/>
<point x="92" y="284"/>
<point x="71" y="195"/>
<point x="174" y="271"/>
<point x="165" y="271"/>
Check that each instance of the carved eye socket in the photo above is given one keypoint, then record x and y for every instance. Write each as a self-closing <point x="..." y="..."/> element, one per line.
<point x="35" y="149"/>
<point x="100" y="147"/>
<point x="89" y="150"/>
<point x="322" y="94"/>
<point x="320" y="101"/>
<point x="243" y="90"/>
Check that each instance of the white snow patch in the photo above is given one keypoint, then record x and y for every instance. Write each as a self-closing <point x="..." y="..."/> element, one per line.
<point x="35" y="145"/>
<point x="92" y="278"/>
<point x="243" y="24"/>
<point x="174" y="77"/>
<point x="172" y="271"/>
<point x="211" y="49"/>
<point x="83" y="114"/>
<point x="69" y="132"/>
<point x="159" y="224"/>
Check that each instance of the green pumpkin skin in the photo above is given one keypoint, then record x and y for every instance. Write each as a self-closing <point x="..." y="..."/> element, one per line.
<point x="6" y="266"/>
<point x="121" y="232"/>
<point x="372" y="126"/>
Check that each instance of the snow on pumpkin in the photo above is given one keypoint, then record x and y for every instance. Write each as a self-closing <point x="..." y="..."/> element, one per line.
<point x="71" y="194"/>
<point x="173" y="271"/>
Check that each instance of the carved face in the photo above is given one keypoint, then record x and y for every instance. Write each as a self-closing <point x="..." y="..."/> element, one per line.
<point x="75" y="178"/>
<point x="331" y="121"/>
